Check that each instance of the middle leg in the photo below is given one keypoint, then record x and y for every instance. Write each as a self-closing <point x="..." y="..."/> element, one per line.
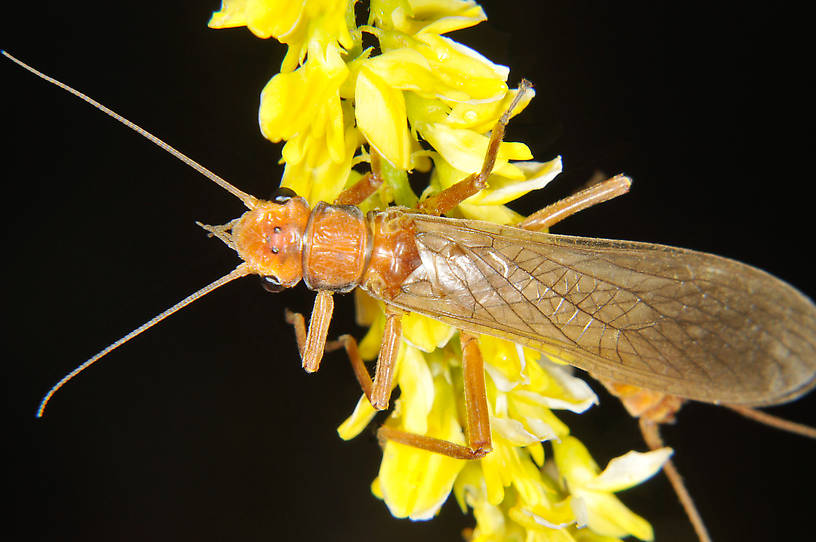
<point x="477" y="423"/>
<point x="378" y="391"/>
<point x="595" y="194"/>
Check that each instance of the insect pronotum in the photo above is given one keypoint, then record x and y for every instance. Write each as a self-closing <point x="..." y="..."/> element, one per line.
<point x="680" y="323"/>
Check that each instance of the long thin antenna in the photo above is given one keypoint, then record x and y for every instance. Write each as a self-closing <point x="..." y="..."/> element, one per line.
<point x="240" y="271"/>
<point x="249" y="201"/>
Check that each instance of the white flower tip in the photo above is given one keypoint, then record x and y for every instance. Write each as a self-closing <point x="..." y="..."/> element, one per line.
<point x="630" y="469"/>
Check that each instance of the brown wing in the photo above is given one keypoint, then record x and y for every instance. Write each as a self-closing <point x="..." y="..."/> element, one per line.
<point x="662" y="318"/>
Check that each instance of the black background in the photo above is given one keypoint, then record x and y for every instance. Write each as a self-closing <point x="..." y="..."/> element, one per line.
<point x="207" y="428"/>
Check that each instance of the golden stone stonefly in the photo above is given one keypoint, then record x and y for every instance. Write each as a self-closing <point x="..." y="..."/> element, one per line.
<point x="656" y="324"/>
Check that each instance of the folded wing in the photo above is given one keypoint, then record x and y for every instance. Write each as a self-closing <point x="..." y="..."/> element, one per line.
<point x="667" y="319"/>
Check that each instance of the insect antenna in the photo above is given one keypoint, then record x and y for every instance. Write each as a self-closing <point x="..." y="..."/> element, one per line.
<point x="240" y="271"/>
<point x="249" y="201"/>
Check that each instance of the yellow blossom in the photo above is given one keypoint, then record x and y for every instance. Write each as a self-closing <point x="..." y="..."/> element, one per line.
<point x="303" y="106"/>
<point x="298" y="24"/>
<point x="438" y="16"/>
<point x="419" y="99"/>
<point x="381" y="117"/>
<point x="412" y="482"/>
<point x="591" y="491"/>
<point x="489" y="203"/>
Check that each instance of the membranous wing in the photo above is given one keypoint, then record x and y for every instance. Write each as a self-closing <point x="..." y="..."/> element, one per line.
<point x="667" y="319"/>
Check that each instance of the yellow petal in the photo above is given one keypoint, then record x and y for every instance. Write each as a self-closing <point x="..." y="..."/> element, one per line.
<point x="508" y="465"/>
<point x="607" y="515"/>
<point x="415" y="483"/>
<point x="629" y="470"/>
<point x="585" y="535"/>
<point x="465" y="150"/>
<point x="494" y="476"/>
<point x="556" y="387"/>
<point x="461" y="66"/>
<point x="536" y="452"/>
<point x="359" y="419"/>
<point x="317" y="177"/>
<point x="538" y="516"/>
<point x="417" y="385"/>
<point x="376" y="488"/>
<point x="407" y="69"/>
<point x="434" y="66"/>
<point x="425" y="333"/>
<point x="436" y="16"/>
<point x="502" y="189"/>
<point x="404" y="68"/>
<point x="380" y="111"/>
<point x="502" y="362"/>
<point x="470" y="486"/>
<point x="574" y="462"/>
<point x="306" y="100"/>
<point x="263" y="18"/>
<point x="366" y="308"/>
<point x="369" y="346"/>
<point x="537" y="420"/>
<point x="491" y="525"/>
<point x="486" y="204"/>
<point x="321" y="22"/>
<point x="481" y="116"/>
<point x="497" y="214"/>
<point x="463" y="19"/>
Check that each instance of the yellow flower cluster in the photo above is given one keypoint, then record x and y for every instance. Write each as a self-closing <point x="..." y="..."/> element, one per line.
<point x="331" y="99"/>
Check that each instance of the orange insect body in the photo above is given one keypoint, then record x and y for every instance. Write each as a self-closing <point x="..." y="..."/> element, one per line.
<point x="336" y="248"/>
<point x="670" y="320"/>
<point x="331" y="247"/>
<point x="647" y="404"/>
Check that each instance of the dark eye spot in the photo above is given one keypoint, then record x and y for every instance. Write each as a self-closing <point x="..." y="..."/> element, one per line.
<point x="271" y="284"/>
<point x="276" y="229"/>
<point x="282" y="195"/>
<point x="274" y="250"/>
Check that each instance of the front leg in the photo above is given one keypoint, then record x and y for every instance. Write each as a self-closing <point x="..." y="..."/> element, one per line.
<point x="367" y="185"/>
<point x="313" y="343"/>
<point x="449" y="198"/>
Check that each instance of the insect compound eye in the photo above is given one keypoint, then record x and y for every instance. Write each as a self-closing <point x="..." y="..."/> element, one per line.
<point x="271" y="284"/>
<point x="282" y="194"/>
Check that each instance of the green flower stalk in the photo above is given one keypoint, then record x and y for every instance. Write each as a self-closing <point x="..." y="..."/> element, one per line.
<point x="427" y="103"/>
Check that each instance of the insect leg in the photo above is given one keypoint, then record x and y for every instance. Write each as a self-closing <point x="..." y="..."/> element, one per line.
<point x="651" y="434"/>
<point x="558" y="211"/>
<point x="384" y="373"/>
<point x="367" y="185"/>
<point x="477" y="428"/>
<point x="313" y="343"/>
<point x="377" y="391"/>
<point x="349" y="343"/>
<point x="454" y="195"/>
<point x="652" y="408"/>
<point x="774" y="421"/>
<point x="478" y="419"/>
